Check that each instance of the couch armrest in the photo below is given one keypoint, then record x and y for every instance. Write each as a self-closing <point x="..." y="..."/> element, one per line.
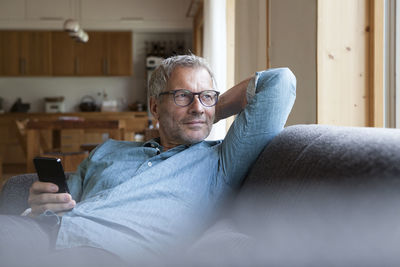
<point x="15" y="193"/>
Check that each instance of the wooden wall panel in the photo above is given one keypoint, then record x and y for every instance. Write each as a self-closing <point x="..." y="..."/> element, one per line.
<point x="343" y="62"/>
<point x="377" y="91"/>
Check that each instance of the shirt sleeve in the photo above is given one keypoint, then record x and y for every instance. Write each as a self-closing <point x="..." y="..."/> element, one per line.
<point x="75" y="181"/>
<point x="270" y="97"/>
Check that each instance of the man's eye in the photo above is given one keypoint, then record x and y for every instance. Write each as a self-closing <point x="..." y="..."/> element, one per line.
<point x="181" y="95"/>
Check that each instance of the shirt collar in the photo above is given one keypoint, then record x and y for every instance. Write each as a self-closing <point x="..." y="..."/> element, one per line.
<point x="155" y="143"/>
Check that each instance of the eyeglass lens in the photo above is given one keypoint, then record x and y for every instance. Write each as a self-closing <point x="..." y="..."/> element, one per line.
<point x="207" y="98"/>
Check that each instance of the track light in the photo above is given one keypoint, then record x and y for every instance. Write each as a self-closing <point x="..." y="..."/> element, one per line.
<point x="75" y="31"/>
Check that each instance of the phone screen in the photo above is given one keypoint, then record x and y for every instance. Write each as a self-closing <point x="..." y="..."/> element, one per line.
<point x="51" y="170"/>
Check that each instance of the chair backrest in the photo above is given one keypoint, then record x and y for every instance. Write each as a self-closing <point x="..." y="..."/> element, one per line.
<point x="21" y="133"/>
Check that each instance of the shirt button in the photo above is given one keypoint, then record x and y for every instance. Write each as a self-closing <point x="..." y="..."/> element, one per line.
<point x="149" y="164"/>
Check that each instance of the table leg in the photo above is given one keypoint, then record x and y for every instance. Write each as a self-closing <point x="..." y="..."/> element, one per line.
<point x="32" y="148"/>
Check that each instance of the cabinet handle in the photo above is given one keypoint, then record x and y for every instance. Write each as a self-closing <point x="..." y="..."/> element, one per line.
<point x="51" y="18"/>
<point x="76" y="65"/>
<point x="131" y="19"/>
<point x="22" y="66"/>
<point x="105" y="67"/>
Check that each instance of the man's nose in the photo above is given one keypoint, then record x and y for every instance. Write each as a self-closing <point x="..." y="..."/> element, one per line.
<point x="196" y="106"/>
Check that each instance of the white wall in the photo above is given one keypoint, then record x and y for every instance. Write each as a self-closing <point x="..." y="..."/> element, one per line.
<point x="33" y="90"/>
<point x="214" y="45"/>
<point x="250" y="38"/>
<point x="293" y="44"/>
<point x="293" y="26"/>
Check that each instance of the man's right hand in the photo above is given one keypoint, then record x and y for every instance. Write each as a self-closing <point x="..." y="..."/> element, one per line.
<point x="44" y="196"/>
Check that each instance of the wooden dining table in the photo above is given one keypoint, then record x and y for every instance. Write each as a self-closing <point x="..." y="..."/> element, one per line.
<point x="33" y="145"/>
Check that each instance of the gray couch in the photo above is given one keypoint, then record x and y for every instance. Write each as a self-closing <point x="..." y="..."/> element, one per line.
<point x="317" y="196"/>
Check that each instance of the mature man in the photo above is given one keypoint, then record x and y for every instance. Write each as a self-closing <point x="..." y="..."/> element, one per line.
<point x="134" y="199"/>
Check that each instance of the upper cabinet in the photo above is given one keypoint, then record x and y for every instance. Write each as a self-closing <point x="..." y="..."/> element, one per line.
<point x="131" y="10"/>
<point x="49" y="9"/>
<point x="9" y="53"/>
<point x="12" y="9"/>
<point x="119" y="53"/>
<point x="44" y="10"/>
<point x="63" y="54"/>
<point x="106" y="54"/>
<point x="96" y="14"/>
<point x="44" y="53"/>
<point x="25" y="53"/>
<point x="92" y="56"/>
<point x="35" y="47"/>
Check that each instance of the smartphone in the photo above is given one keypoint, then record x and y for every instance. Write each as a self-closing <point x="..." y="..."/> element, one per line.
<point x="51" y="170"/>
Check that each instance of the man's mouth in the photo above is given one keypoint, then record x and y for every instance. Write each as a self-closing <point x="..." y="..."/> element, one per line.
<point x="195" y="123"/>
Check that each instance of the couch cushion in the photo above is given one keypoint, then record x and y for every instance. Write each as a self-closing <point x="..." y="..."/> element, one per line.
<point x="324" y="194"/>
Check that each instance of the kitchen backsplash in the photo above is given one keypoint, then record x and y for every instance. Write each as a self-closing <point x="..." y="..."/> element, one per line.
<point x="125" y="90"/>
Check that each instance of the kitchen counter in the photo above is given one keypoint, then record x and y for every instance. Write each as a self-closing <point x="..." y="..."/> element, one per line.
<point x="74" y="114"/>
<point x="11" y="149"/>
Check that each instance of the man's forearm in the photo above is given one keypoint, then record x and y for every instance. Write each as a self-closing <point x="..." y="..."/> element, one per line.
<point x="232" y="101"/>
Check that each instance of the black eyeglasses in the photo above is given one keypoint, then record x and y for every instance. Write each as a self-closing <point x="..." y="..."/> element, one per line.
<point x="183" y="98"/>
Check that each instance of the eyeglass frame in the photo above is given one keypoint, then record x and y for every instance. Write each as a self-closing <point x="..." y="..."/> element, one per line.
<point x="173" y="93"/>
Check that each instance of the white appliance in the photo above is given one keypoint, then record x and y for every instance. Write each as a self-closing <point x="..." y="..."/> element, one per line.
<point x="152" y="63"/>
<point x="54" y="104"/>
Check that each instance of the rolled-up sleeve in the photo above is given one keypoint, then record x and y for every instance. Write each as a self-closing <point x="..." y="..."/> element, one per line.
<point x="75" y="181"/>
<point x="270" y="95"/>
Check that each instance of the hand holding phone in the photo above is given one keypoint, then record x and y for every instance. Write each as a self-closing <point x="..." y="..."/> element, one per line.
<point x="51" y="170"/>
<point x="43" y="195"/>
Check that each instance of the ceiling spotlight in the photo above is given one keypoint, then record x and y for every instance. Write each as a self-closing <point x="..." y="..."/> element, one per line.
<point x="75" y="31"/>
<point x="71" y="25"/>
<point x="80" y="36"/>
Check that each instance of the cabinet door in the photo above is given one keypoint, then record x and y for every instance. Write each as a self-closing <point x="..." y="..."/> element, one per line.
<point x="92" y="56"/>
<point x="119" y="48"/>
<point x="12" y="9"/>
<point x="35" y="53"/>
<point x="63" y="54"/>
<point x="9" y="53"/>
<point x="51" y="10"/>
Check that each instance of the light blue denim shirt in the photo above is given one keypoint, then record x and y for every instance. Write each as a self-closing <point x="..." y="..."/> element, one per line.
<point x="134" y="199"/>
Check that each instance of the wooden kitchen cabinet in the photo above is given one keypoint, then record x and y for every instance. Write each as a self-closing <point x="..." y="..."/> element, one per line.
<point x="119" y="52"/>
<point x="105" y="54"/>
<point x="35" y="53"/>
<point x="9" y="53"/>
<point x="25" y="53"/>
<point x="92" y="56"/>
<point x="45" y="53"/>
<point x="63" y="54"/>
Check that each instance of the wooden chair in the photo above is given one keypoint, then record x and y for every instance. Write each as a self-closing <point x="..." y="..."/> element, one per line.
<point x="70" y="160"/>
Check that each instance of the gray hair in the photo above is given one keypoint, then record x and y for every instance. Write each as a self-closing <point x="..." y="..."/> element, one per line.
<point x="159" y="78"/>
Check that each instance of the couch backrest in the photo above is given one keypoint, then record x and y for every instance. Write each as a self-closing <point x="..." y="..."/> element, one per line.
<point x="316" y="170"/>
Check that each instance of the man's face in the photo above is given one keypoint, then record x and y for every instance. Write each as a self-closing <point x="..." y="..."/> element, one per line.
<point x="184" y="125"/>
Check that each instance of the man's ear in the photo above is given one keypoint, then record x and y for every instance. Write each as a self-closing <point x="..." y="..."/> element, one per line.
<point x="154" y="107"/>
